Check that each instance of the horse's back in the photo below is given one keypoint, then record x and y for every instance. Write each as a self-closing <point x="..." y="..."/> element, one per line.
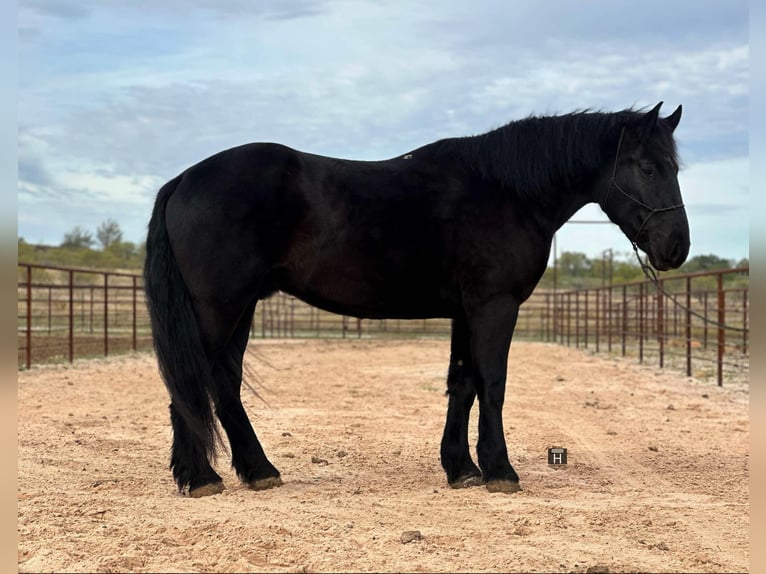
<point x="330" y="230"/>
<point x="231" y="216"/>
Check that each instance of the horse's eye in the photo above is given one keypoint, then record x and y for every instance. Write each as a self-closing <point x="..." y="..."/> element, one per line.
<point x="647" y="170"/>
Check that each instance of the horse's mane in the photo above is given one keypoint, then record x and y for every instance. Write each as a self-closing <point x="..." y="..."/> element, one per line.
<point x="531" y="156"/>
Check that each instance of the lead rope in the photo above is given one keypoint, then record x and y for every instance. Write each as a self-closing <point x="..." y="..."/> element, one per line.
<point x="652" y="276"/>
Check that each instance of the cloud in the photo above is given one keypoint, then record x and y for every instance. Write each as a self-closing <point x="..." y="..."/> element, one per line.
<point x="63" y="9"/>
<point x="33" y="175"/>
<point x="82" y="9"/>
<point x="718" y="190"/>
<point x="356" y="109"/>
<point x="116" y="98"/>
<point x="85" y="198"/>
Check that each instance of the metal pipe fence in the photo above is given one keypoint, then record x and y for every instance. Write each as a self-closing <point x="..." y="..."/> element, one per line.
<point x="66" y="313"/>
<point x="700" y="327"/>
<point x="698" y="322"/>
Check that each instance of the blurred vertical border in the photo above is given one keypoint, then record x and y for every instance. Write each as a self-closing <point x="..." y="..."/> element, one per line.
<point x="757" y="283"/>
<point x="8" y="254"/>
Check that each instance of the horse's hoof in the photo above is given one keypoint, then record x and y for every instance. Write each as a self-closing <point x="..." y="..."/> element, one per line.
<point x="207" y="490"/>
<point x="265" y="483"/>
<point x="507" y="486"/>
<point x="467" y="481"/>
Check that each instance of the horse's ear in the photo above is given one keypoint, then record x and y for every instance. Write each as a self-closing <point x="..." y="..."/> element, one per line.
<point x="644" y="126"/>
<point x="653" y="114"/>
<point x="673" y="119"/>
<point x="649" y="122"/>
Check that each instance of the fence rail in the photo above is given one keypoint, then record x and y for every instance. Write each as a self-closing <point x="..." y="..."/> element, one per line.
<point x="65" y="313"/>
<point x="697" y="322"/>
<point x="702" y="328"/>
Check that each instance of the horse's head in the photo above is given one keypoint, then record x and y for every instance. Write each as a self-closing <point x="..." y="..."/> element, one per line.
<point x="643" y="196"/>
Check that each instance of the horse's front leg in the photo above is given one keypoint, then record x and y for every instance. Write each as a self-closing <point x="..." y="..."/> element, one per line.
<point x="491" y="328"/>
<point x="455" y="455"/>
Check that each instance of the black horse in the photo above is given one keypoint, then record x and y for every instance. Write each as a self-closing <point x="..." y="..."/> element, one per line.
<point x="460" y="228"/>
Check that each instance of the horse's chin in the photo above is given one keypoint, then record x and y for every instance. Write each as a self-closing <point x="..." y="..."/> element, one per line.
<point x="666" y="263"/>
<point x="661" y="266"/>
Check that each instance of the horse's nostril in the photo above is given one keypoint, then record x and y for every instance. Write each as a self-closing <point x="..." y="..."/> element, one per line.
<point x="678" y="251"/>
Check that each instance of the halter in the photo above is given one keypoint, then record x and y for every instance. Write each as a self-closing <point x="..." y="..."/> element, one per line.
<point x="613" y="183"/>
<point x="645" y="267"/>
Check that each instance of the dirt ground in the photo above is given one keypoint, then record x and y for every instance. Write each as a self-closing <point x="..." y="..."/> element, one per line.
<point x="657" y="476"/>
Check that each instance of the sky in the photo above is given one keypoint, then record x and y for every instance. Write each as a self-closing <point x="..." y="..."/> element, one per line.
<point x="115" y="98"/>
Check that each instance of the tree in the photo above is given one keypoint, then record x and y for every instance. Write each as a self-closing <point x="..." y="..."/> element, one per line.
<point x="141" y="250"/>
<point x="708" y="262"/>
<point x="108" y="233"/>
<point x="78" y="238"/>
<point x="122" y="250"/>
<point x="626" y="271"/>
<point x="575" y="264"/>
<point x="25" y="251"/>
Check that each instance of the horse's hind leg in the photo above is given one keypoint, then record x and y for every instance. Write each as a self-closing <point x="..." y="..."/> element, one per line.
<point x="189" y="460"/>
<point x="455" y="456"/>
<point x="248" y="457"/>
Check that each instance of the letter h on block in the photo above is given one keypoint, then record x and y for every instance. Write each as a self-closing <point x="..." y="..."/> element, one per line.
<point x="557" y="455"/>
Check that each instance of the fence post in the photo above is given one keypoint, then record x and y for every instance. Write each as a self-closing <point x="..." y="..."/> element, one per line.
<point x="29" y="317"/>
<point x="721" y="322"/>
<point x="106" y="314"/>
<point x="587" y="296"/>
<point x="71" y="316"/>
<point x="705" y="323"/>
<point x="744" y="321"/>
<point x="624" y="317"/>
<point x="577" y="319"/>
<point x="688" y="326"/>
<point x="263" y="318"/>
<point x="598" y="317"/>
<point x="641" y="323"/>
<point x="660" y="323"/>
<point x="560" y="320"/>
<point x="135" y="346"/>
<point x="609" y="320"/>
<point x="554" y="318"/>
<point x="282" y="315"/>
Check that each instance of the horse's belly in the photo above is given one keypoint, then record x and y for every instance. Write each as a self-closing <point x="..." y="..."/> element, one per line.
<point x="368" y="299"/>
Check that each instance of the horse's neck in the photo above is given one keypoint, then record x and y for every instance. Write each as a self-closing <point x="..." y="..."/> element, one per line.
<point x="531" y="160"/>
<point x="567" y="202"/>
<point x="562" y="199"/>
<point x="586" y="185"/>
<point x="562" y="182"/>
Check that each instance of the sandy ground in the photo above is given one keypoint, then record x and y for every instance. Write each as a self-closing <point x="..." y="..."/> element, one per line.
<point x="657" y="478"/>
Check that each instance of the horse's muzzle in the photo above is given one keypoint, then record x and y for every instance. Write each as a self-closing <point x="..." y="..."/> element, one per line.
<point x="672" y="254"/>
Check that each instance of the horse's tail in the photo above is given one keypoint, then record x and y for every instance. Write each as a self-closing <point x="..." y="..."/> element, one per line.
<point x="181" y="356"/>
